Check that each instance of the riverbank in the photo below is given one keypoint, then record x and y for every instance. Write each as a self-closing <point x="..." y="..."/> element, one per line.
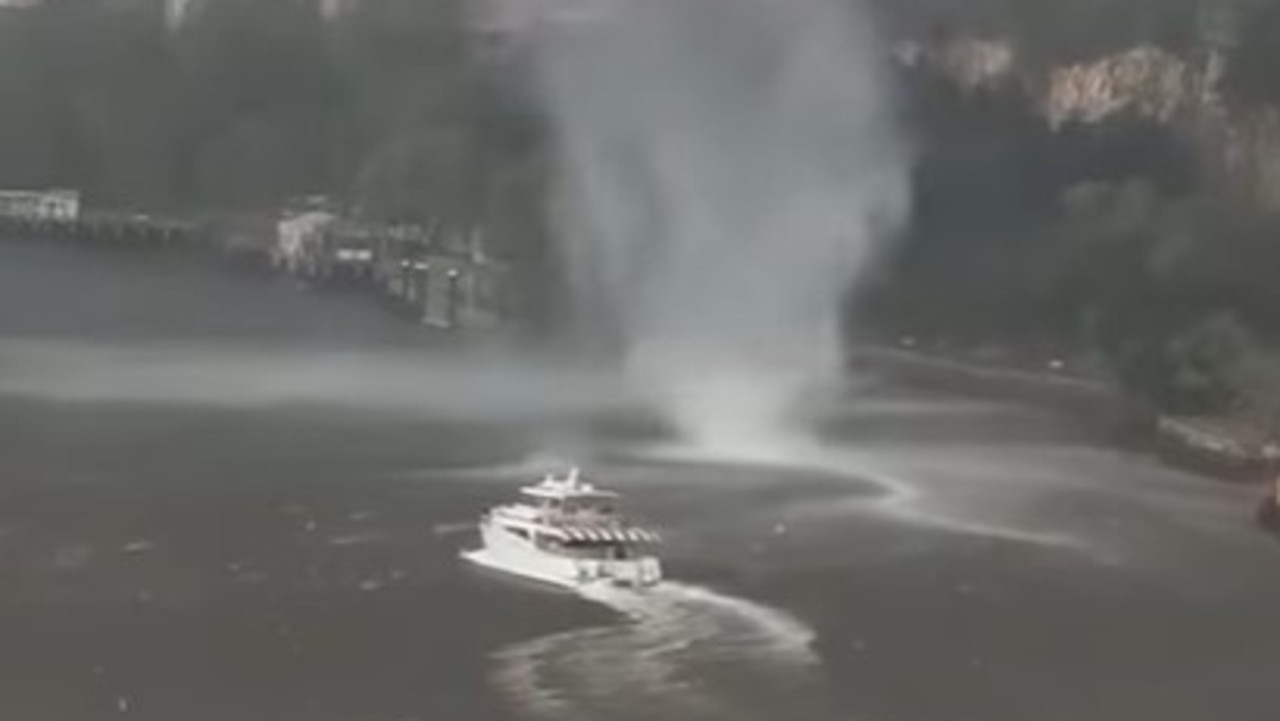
<point x="1228" y="448"/>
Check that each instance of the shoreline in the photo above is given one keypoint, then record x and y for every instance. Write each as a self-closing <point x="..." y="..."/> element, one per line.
<point x="1228" y="449"/>
<point x="1230" y="452"/>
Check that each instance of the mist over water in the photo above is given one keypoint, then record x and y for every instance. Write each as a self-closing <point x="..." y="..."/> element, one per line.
<point x="728" y="169"/>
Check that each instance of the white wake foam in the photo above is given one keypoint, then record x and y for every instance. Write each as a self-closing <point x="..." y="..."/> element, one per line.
<point x="681" y="652"/>
<point x="992" y="506"/>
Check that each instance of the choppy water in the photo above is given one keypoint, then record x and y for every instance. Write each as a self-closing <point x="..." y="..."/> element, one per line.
<point x="296" y="559"/>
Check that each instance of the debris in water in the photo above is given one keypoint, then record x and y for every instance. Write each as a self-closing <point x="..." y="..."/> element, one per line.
<point x="141" y="546"/>
<point x="357" y="539"/>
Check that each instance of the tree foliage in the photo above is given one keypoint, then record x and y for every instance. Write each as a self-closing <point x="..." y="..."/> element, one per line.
<point x="1098" y="234"/>
<point x="1251" y="75"/>
<point x="1101" y="238"/>
<point x="250" y="102"/>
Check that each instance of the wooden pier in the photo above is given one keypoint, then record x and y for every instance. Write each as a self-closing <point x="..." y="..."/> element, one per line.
<point x="432" y="278"/>
<point x="105" y="229"/>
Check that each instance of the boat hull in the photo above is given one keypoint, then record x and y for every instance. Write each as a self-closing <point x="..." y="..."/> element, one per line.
<point x="504" y="552"/>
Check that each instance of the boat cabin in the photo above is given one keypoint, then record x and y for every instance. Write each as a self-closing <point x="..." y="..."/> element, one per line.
<point x="572" y="517"/>
<point x="571" y="499"/>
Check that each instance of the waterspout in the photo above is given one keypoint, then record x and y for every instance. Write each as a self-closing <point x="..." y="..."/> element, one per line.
<point x="730" y="168"/>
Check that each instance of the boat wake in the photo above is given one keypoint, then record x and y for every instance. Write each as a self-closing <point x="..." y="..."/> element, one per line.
<point x="919" y="487"/>
<point x="680" y="652"/>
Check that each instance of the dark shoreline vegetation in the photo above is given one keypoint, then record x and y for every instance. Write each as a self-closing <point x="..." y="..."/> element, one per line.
<point x="1104" y="247"/>
<point x="1221" y="448"/>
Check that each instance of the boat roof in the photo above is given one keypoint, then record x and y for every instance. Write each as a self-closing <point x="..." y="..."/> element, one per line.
<point x="633" y="534"/>
<point x="571" y="486"/>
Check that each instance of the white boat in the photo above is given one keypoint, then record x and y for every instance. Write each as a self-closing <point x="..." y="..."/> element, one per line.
<point x="567" y="532"/>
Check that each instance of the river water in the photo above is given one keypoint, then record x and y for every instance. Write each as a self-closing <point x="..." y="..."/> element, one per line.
<point x="221" y="498"/>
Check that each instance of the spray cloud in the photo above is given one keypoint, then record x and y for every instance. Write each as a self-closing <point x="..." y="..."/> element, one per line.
<point x="727" y="168"/>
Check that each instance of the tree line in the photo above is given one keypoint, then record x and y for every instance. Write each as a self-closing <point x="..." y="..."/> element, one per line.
<point x="250" y="102"/>
<point x="1103" y="240"/>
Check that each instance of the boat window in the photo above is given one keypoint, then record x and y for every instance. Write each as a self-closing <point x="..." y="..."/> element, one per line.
<point x="522" y="533"/>
<point x="598" y="550"/>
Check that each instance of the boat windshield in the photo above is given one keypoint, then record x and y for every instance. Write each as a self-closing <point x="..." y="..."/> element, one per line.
<point x="583" y="506"/>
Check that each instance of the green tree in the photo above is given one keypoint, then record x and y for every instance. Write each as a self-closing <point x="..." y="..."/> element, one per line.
<point x="431" y="176"/>
<point x="1130" y="265"/>
<point x="1250" y="77"/>
<point x="261" y="102"/>
<point x="32" y="127"/>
